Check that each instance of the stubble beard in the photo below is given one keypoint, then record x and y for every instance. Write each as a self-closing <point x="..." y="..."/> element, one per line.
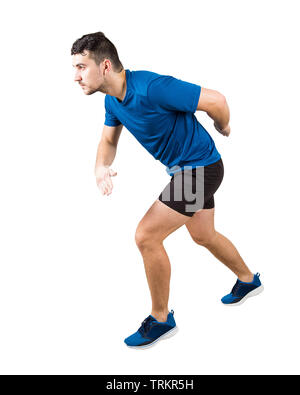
<point x="102" y="88"/>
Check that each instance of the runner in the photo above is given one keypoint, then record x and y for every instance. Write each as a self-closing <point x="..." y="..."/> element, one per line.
<point x="159" y="111"/>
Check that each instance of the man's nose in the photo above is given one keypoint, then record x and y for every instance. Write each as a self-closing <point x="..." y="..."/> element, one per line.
<point x="77" y="77"/>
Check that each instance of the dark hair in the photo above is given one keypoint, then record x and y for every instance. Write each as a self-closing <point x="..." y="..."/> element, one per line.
<point x="100" y="48"/>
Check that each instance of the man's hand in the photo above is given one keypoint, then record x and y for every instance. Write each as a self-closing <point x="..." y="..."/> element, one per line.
<point x="103" y="175"/>
<point x="225" y="131"/>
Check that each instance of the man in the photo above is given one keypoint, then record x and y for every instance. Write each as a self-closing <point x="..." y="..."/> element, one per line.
<point x="159" y="111"/>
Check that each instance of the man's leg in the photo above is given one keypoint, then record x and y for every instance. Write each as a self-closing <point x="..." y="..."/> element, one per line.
<point x="159" y="222"/>
<point x="201" y="228"/>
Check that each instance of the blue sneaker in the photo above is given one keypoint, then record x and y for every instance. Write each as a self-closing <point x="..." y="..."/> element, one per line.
<point x="151" y="331"/>
<point x="242" y="291"/>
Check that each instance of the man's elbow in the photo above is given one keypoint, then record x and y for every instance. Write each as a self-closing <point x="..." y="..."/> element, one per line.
<point x="220" y="103"/>
<point x="225" y="109"/>
<point x="218" y="107"/>
<point x="211" y="101"/>
<point x="215" y="105"/>
<point x="222" y="100"/>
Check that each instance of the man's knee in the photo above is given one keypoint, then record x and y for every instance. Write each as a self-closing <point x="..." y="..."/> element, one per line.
<point x="142" y="238"/>
<point x="206" y="239"/>
<point x="145" y="238"/>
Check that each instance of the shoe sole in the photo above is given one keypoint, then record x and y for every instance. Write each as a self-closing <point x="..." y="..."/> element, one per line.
<point x="255" y="292"/>
<point x="165" y="336"/>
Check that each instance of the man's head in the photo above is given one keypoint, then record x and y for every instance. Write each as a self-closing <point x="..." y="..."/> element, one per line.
<point x="95" y="58"/>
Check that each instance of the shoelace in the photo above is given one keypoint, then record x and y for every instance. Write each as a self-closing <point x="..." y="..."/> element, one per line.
<point x="236" y="288"/>
<point x="238" y="285"/>
<point x="145" y="326"/>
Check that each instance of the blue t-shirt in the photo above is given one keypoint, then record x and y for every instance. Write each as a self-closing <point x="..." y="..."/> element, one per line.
<point x="159" y="111"/>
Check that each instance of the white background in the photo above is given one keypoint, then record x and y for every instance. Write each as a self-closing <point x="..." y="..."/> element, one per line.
<point x="72" y="282"/>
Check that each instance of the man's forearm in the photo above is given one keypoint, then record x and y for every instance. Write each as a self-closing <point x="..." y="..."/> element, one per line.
<point x="106" y="153"/>
<point x="220" y="113"/>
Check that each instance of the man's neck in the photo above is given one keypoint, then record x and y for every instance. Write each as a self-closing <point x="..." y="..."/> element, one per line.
<point x="118" y="86"/>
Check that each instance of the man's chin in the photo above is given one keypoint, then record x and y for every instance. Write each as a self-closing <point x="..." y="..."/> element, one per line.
<point x="87" y="91"/>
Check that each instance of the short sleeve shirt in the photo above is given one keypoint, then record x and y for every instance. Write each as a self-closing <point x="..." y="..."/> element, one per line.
<point x="159" y="111"/>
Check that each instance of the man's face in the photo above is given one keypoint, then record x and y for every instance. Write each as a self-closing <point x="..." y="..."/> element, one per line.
<point x="88" y="74"/>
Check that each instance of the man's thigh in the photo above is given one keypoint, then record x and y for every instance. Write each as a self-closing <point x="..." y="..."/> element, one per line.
<point x="160" y="221"/>
<point x="201" y="225"/>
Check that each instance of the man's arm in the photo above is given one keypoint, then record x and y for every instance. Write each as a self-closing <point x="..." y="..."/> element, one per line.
<point x="106" y="153"/>
<point x="216" y="107"/>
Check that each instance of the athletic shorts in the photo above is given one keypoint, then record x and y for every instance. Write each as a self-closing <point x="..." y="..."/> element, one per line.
<point x="191" y="190"/>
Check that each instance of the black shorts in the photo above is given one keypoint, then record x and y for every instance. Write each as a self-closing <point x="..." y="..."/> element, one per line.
<point x="191" y="190"/>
